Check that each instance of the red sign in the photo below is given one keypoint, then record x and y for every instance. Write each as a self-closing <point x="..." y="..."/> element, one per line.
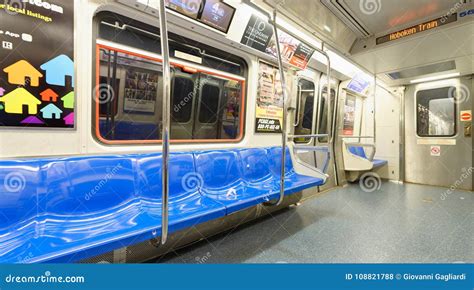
<point x="466" y="116"/>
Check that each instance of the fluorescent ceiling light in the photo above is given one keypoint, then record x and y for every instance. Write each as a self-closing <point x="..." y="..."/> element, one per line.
<point x="435" y="78"/>
<point x="327" y="28"/>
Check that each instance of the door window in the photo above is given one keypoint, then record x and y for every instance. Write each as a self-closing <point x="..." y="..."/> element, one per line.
<point x="436" y="112"/>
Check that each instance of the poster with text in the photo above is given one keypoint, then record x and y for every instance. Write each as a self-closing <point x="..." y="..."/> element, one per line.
<point x="349" y="116"/>
<point x="269" y="111"/>
<point x="37" y="64"/>
<point x="259" y="35"/>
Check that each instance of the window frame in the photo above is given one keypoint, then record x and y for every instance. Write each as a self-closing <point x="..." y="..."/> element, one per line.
<point x="455" y="113"/>
<point x="105" y="44"/>
<point x="306" y="141"/>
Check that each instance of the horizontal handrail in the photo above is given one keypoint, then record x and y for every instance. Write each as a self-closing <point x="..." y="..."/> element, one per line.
<point x="311" y="148"/>
<point x="354" y="137"/>
<point x="308" y="136"/>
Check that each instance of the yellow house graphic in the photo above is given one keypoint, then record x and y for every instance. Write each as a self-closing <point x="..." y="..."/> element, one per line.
<point x="18" y="99"/>
<point x="23" y="73"/>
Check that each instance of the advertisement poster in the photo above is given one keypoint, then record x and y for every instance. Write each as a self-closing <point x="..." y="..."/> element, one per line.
<point x="140" y="91"/>
<point x="36" y="64"/>
<point x="259" y="35"/>
<point x="349" y="116"/>
<point x="269" y="112"/>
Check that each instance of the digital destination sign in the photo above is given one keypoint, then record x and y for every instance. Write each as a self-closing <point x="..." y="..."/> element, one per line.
<point x="417" y="29"/>
<point x="213" y="13"/>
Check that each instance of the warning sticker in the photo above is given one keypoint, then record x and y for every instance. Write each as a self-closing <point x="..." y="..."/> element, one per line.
<point x="435" y="150"/>
<point x="466" y="116"/>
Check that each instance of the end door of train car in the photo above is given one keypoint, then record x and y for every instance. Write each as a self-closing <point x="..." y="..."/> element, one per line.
<point x="438" y="137"/>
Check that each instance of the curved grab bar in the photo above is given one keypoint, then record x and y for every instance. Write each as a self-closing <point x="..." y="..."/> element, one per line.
<point x="372" y="153"/>
<point x="298" y="106"/>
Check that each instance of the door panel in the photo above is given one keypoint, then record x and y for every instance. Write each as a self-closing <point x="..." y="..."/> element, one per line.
<point x="432" y="115"/>
<point x="323" y="128"/>
<point x="306" y="116"/>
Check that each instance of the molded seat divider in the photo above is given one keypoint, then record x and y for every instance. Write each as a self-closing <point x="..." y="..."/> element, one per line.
<point x="294" y="182"/>
<point x="360" y="152"/>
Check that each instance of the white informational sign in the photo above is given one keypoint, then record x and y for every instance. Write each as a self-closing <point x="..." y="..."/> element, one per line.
<point x="435" y="150"/>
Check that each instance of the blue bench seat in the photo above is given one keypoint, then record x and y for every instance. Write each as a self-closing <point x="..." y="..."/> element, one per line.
<point x="70" y="209"/>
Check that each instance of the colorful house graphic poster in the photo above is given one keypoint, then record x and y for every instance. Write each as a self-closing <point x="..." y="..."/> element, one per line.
<point x="37" y="74"/>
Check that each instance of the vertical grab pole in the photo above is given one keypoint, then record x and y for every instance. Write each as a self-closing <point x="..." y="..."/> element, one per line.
<point x="375" y="109"/>
<point x="331" y="119"/>
<point x="283" y="125"/>
<point x="166" y="120"/>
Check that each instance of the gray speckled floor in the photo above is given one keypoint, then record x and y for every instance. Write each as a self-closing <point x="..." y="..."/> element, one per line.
<point x="396" y="224"/>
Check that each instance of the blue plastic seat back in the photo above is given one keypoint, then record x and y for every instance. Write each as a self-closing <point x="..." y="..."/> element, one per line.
<point x="182" y="177"/>
<point x="274" y="158"/>
<point x="20" y="181"/>
<point x="218" y="169"/>
<point x="125" y="130"/>
<point x="256" y="166"/>
<point x="82" y="186"/>
<point x="358" y="151"/>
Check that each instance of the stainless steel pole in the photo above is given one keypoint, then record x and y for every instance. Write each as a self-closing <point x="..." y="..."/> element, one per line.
<point x="166" y="120"/>
<point x="285" y="98"/>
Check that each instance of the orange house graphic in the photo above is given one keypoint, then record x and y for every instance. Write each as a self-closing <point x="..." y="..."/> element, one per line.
<point x="18" y="100"/>
<point x="23" y="73"/>
<point x="49" y="96"/>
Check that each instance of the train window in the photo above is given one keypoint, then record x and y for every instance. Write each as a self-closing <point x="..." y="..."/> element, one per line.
<point x="208" y="109"/>
<point x="215" y="115"/>
<point x="183" y="97"/>
<point x="207" y="99"/>
<point x="436" y="112"/>
<point x="305" y="110"/>
<point x="323" y="118"/>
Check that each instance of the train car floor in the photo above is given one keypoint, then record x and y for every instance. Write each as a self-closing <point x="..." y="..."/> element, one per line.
<point x="396" y="224"/>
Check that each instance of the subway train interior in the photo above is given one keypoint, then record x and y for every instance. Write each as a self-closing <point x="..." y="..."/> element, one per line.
<point x="236" y="131"/>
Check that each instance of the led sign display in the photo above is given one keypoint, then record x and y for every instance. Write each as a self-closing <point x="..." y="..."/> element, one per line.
<point x="417" y="29"/>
